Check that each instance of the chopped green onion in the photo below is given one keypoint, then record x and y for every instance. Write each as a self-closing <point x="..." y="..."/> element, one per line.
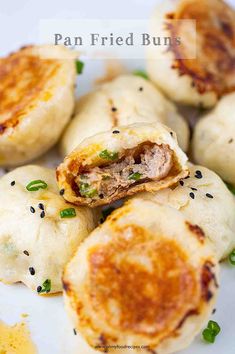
<point x="86" y="190"/>
<point x="231" y="188"/>
<point x="211" y="331"/>
<point x="68" y="213"/>
<point x="141" y="73"/>
<point x="208" y="335"/>
<point x="135" y="176"/>
<point x="79" y="66"/>
<point x="108" y="155"/>
<point x="231" y="257"/>
<point x="46" y="287"/>
<point x="214" y="327"/>
<point x="106" y="212"/>
<point x="36" y="185"/>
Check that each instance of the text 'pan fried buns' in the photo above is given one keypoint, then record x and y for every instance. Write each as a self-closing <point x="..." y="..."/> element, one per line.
<point x="36" y="101"/>
<point x="35" y="241"/>
<point x="214" y="139"/>
<point x="125" y="100"/>
<point x="120" y="162"/>
<point x="201" y="80"/>
<point x="144" y="277"/>
<point x="205" y="201"/>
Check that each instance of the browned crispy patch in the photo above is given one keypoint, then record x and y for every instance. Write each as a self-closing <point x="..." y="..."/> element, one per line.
<point x="23" y="76"/>
<point x="214" y="68"/>
<point x="114" y="113"/>
<point x="142" y="284"/>
<point x="208" y="281"/>
<point x="196" y="230"/>
<point x="66" y="286"/>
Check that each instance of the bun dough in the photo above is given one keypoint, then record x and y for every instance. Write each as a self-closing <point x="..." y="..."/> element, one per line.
<point x="145" y="276"/>
<point x="200" y="81"/>
<point x="133" y="99"/>
<point x="212" y="207"/>
<point x="37" y="100"/>
<point x="214" y="139"/>
<point x="28" y="240"/>
<point x="85" y="166"/>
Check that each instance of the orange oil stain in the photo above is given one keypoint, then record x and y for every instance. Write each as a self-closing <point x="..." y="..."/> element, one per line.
<point x="16" y="339"/>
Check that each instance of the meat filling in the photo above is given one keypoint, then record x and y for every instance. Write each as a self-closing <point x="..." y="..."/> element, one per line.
<point x="148" y="162"/>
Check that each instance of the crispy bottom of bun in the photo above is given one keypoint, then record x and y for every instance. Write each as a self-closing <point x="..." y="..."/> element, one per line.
<point x="214" y="67"/>
<point x="37" y="100"/>
<point x="146" y="277"/>
<point x="111" y="165"/>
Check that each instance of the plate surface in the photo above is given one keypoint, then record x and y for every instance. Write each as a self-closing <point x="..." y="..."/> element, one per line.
<point x="50" y="328"/>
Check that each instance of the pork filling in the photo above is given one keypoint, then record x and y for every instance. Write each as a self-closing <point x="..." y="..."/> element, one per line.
<point x="147" y="162"/>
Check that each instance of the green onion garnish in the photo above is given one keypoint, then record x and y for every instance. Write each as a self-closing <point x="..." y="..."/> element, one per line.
<point x="68" y="213"/>
<point x="108" y="155"/>
<point x="231" y="257"/>
<point x="141" y="73"/>
<point x="231" y="188"/>
<point x="36" y="185"/>
<point x="208" y="335"/>
<point x="135" y="176"/>
<point x="86" y="190"/>
<point x="46" y="287"/>
<point x="211" y="331"/>
<point x="214" y="327"/>
<point x="79" y="66"/>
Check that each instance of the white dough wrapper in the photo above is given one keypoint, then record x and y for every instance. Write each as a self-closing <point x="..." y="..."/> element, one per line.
<point x="125" y="100"/>
<point x="35" y="242"/>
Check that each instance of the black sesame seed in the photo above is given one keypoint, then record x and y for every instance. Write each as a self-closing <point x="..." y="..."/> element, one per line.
<point x="26" y="253"/>
<point x="191" y="194"/>
<point x="74" y="331"/>
<point x="39" y="288"/>
<point x="62" y="192"/>
<point x="141" y="89"/>
<point x="230" y="141"/>
<point x="194" y="189"/>
<point x="214" y="311"/>
<point x="116" y="131"/>
<point x="114" y="109"/>
<point x="101" y="196"/>
<point x="31" y="270"/>
<point x="209" y="195"/>
<point x="13" y="183"/>
<point x="181" y="183"/>
<point x="171" y="133"/>
<point x="42" y="215"/>
<point x="187" y="177"/>
<point x="32" y="209"/>
<point x="41" y="206"/>
<point x="198" y="174"/>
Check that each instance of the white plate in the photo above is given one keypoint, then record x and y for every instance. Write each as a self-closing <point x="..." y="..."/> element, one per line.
<point x="50" y="328"/>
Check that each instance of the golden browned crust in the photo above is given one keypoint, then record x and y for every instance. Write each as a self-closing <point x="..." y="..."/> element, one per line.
<point x="142" y="285"/>
<point x="214" y="68"/>
<point x="23" y="76"/>
<point x="197" y="231"/>
<point x="150" y="301"/>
